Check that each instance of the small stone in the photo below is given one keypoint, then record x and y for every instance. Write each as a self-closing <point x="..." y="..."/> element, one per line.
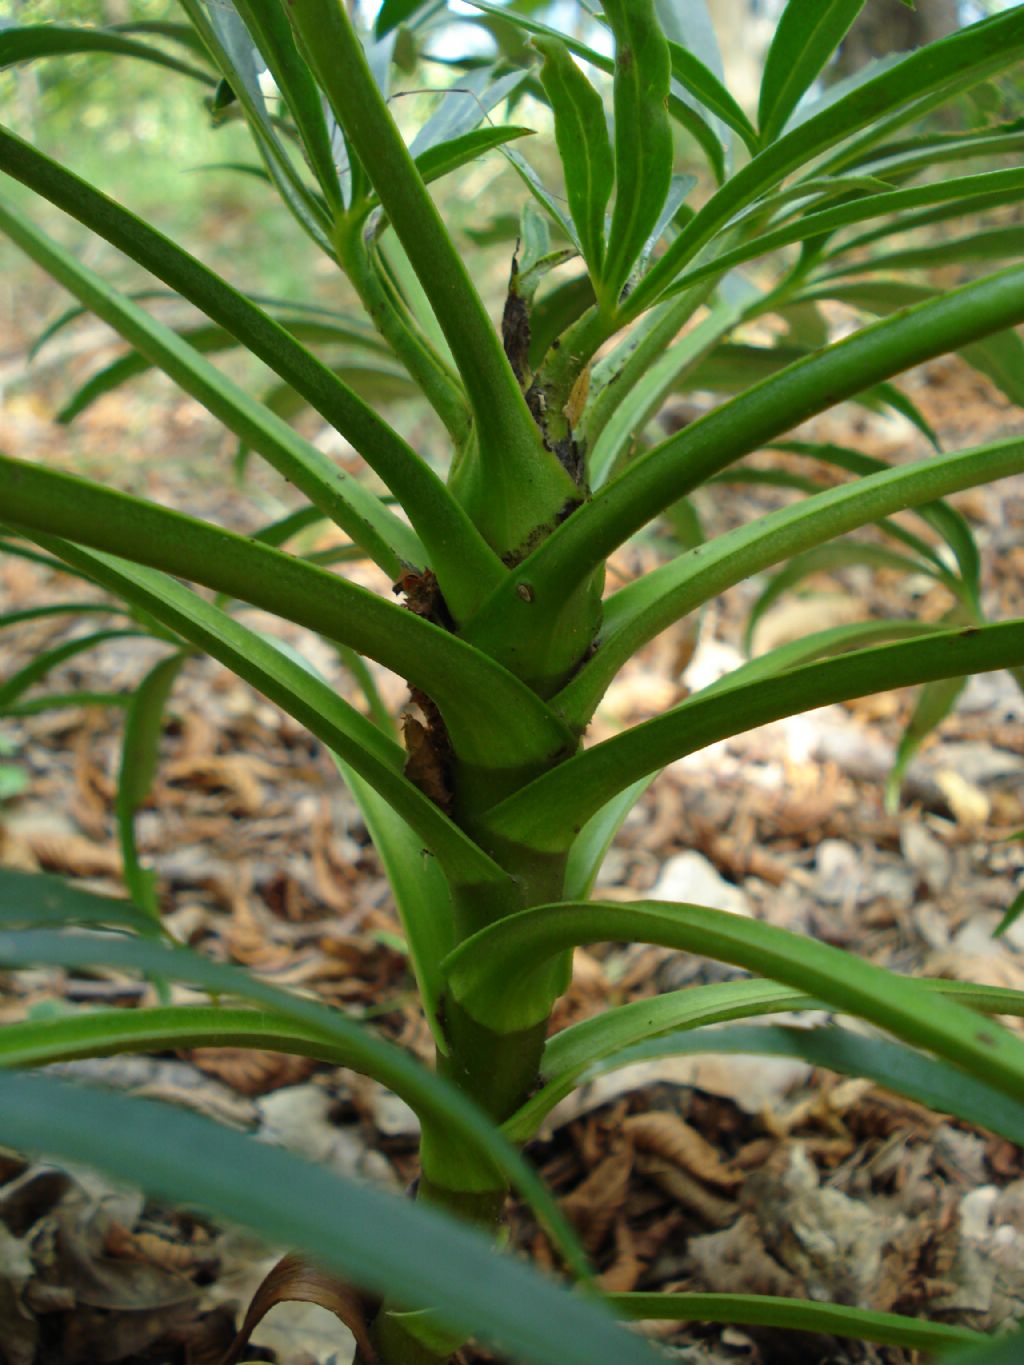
<point x="927" y="855"/>
<point x="691" y="877"/>
<point x="840" y="875"/>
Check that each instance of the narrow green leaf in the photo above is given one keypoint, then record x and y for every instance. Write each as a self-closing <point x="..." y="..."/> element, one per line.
<point x="832" y="556"/>
<point x="465" y="105"/>
<point x="426" y="1092"/>
<point x="917" y="82"/>
<point x="340" y="495"/>
<point x="293" y="314"/>
<point x="945" y="520"/>
<point x="354" y="738"/>
<point x="269" y="28"/>
<point x="1004" y="1350"/>
<point x="685" y="114"/>
<point x="807" y="34"/>
<point x="704" y="85"/>
<point x="545" y="814"/>
<point x="107" y="1033"/>
<point x="615" y="1033"/>
<point x="674" y="468"/>
<point x="995" y="244"/>
<point x="796" y="1315"/>
<point x="1000" y="356"/>
<point x="16" y="618"/>
<point x="392" y="13"/>
<point x="379" y="1242"/>
<point x="31" y="900"/>
<point x="902" y="159"/>
<point x="498" y="974"/>
<point x="29" y="42"/>
<point x="961" y="196"/>
<point x="569" y="1053"/>
<point x="583" y="146"/>
<point x="20" y="551"/>
<point x="55" y="701"/>
<point x="17" y="683"/>
<point x="934" y="703"/>
<point x="207" y="340"/>
<point x="445" y="157"/>
<point x="1015" y="909"/>
<point x="940" y="1086"/>
<point x="595" y="839"/>
<point x="821" y="644"/>
<point x="232" y="50"/>
<point x="140" y="750"/>
<point x="643" y="138"/>
<point x="641" y="610"/>
<point x="421" y="893"/>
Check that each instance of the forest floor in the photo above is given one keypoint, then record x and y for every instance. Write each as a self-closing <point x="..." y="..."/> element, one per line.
<point x="708" y="1173"/>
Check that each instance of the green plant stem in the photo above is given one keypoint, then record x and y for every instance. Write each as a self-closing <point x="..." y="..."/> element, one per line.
<point x="439" y="385"/>
<point x="674" y="468"/>
<point x="615" y="379"/>
<point x="519" y="485"/>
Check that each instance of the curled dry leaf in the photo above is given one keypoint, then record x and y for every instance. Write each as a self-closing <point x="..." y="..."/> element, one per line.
<point x="295" y="1279"/>
<point x="685" y="1189"/>
<point x="251" y="1071"/>
<point x="672" y="1138"/>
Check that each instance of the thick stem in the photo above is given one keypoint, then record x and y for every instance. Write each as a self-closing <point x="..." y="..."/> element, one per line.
<point x="439" y="385"/>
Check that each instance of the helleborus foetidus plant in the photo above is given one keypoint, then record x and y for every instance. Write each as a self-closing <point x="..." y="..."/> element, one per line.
<point x="629" y="283"/>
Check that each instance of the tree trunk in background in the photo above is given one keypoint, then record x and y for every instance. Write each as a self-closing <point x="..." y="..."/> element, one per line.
<point x="885" y="26"/>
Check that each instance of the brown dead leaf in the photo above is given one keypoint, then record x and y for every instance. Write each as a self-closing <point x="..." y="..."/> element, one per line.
<point x="594" y="1205"/>
<point x="687" y="1190"/>
<point x="156" y="1249"/>
<point x="73" y="854"/>
<point x="294" y="1279"/>
<point x="672" y="1138"/>
<point x="623" y="1273"/>
<point x="237" y="775"/>
<point x="252" y="1071"/>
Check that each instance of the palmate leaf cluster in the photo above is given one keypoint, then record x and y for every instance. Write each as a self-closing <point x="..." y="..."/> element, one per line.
<point x="633" y="280"/>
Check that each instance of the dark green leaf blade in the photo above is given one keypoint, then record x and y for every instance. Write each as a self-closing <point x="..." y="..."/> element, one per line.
<point x="547" y="812"/>
<point x="643" y="138"/>
<point x="799" y="1315"/>
<point x="432" y="1096"/>
<point x="340" y="495"/>
<point x="583" y="145"/>
<point x="29" y="42"/>
<point x="380" y="1242"/>
<point x="140" y="748"/>
<point x="807" y="34"/>
<point x="694" y="76"/>
<point x="30" y="899"/>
